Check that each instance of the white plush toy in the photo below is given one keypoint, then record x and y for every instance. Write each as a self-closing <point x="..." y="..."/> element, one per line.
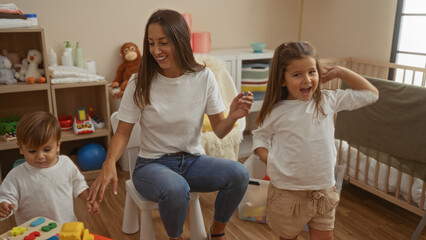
<point x="6" y="71"/>
<point x="24" y="68"/>
<point x="33" y="73"/>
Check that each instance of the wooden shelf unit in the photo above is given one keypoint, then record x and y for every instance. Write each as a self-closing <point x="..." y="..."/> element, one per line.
<point x="58" y="99"/>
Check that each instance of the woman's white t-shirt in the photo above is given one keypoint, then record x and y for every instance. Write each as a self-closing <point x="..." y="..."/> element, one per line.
<point x="173" y="120"/>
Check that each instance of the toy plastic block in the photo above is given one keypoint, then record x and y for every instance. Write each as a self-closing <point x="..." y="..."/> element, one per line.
<point x="53" y="238"/>
<point x="16" y="231"/>
<point x="32" y="236"/>
<point x="87" y="235"/>
<point x="48" y="227"/>
<point x="71" y="231"/>
<point x="37" y="222"/>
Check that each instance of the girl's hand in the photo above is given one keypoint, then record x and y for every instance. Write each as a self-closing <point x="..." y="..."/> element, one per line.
<point x="331" y="73"/>
<point x="107" y="175"/>
<point x="353" y="79"/>
<point x="5" y="209"/>
<point x="240" y="106"/>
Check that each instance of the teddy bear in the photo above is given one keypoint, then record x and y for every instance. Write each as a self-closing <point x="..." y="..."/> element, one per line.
<point x="34" y="74"/>
<point x="14" y="57"/>
<point x="6" y="71"/>
<point x="131" y="57"/>
<point x="20" y="75"/>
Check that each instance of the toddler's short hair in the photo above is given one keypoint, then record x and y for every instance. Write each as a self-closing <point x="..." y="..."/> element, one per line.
<point x="36" y="128"/>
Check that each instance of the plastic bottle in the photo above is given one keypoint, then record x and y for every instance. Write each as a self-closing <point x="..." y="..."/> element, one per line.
<point x="67" y="59"/>
<point x="79" y="62"/>
<point x="53" y="58"/>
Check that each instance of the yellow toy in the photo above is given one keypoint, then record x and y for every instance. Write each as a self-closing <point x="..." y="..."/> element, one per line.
<point x="75" y="231"/>
<point x="16" y="231"/>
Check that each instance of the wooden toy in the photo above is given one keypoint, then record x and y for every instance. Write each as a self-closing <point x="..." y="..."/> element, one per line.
<point x="46" y="229"/>
<point x="26" y="231"/>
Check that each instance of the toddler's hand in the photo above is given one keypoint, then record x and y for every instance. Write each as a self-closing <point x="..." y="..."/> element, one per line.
<point x="92" y="207"/>
<point x="5" y="209"/>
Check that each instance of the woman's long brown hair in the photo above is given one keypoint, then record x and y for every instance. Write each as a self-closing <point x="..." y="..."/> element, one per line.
<point x="178" y="34"/>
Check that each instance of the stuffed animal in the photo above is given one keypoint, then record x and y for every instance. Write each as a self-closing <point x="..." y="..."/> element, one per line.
<point x="33" y="73"/>
<point x="14" y="57"/>
<point x="131" y="57"/>
<point x="6" y="71"/>
<point x="20" y="75"/>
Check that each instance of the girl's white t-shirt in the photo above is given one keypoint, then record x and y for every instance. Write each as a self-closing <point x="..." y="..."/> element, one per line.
<point x="302" y="153"/>
<point x="174" y="119"/>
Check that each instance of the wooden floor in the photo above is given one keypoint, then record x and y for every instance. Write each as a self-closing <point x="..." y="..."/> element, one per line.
<point x="360" y="215"/>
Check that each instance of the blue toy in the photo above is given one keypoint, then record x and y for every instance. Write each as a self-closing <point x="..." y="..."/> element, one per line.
<point x="91" y="157"/>
<point x="37" y="222"/>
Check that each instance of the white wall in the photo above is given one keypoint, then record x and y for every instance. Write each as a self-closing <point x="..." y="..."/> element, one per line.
<point x="357" y="28"/>
<point x="102" y="26"/>
<point x="338" y="28"/>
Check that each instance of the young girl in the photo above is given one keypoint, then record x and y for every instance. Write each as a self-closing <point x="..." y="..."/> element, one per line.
<point x="46" y="184"/>
<point x="295" y="138"/>
<point x="170" y="95"/>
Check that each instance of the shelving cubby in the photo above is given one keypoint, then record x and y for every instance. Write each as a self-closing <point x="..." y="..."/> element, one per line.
<point x="58" y="99"/>
<point x="20" y="98"/>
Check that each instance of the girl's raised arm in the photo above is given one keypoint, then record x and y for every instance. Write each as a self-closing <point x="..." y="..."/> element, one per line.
<point x="354" y="80"/>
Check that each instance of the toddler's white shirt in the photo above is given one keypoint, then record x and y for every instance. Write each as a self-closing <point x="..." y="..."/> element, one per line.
<point x="43" y="192"/>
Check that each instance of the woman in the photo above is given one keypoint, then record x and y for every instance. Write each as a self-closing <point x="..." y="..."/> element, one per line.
<point x="170" y="95"/>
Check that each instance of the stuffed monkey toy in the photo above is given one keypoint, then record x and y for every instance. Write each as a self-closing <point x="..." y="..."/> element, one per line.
<point x="131" y="57"/>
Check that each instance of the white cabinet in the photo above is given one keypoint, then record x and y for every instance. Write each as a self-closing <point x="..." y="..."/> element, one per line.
<point x="235" y="59"/>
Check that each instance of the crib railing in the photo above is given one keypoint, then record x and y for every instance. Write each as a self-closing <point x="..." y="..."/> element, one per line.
<point x="394" y="197"/>
<point x="398" y="73"/>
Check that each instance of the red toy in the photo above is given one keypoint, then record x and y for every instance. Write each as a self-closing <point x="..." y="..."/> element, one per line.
<point x="266" y="178"/>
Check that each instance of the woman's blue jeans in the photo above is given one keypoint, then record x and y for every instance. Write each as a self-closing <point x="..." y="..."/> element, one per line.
<point x="169" y="179"/>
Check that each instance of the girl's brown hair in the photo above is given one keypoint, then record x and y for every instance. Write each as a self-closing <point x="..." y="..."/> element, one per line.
<point x="178" y="34"/>
<point x="283" y="55"/>
<point x="36" y="128"/>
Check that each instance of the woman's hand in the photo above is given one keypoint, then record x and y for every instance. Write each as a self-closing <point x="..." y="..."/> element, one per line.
<point x="107" y="175"/>
<point x="108" y="172"/>
<point x="240" y="106"/>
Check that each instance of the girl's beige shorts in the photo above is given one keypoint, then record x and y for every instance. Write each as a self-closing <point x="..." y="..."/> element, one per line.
<point x="289" y="211"/>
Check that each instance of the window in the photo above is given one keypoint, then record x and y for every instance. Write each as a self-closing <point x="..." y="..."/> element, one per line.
<point x="409" y="40"/>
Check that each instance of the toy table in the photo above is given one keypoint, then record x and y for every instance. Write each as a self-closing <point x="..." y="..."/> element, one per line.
<point x="30" y="229"/>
